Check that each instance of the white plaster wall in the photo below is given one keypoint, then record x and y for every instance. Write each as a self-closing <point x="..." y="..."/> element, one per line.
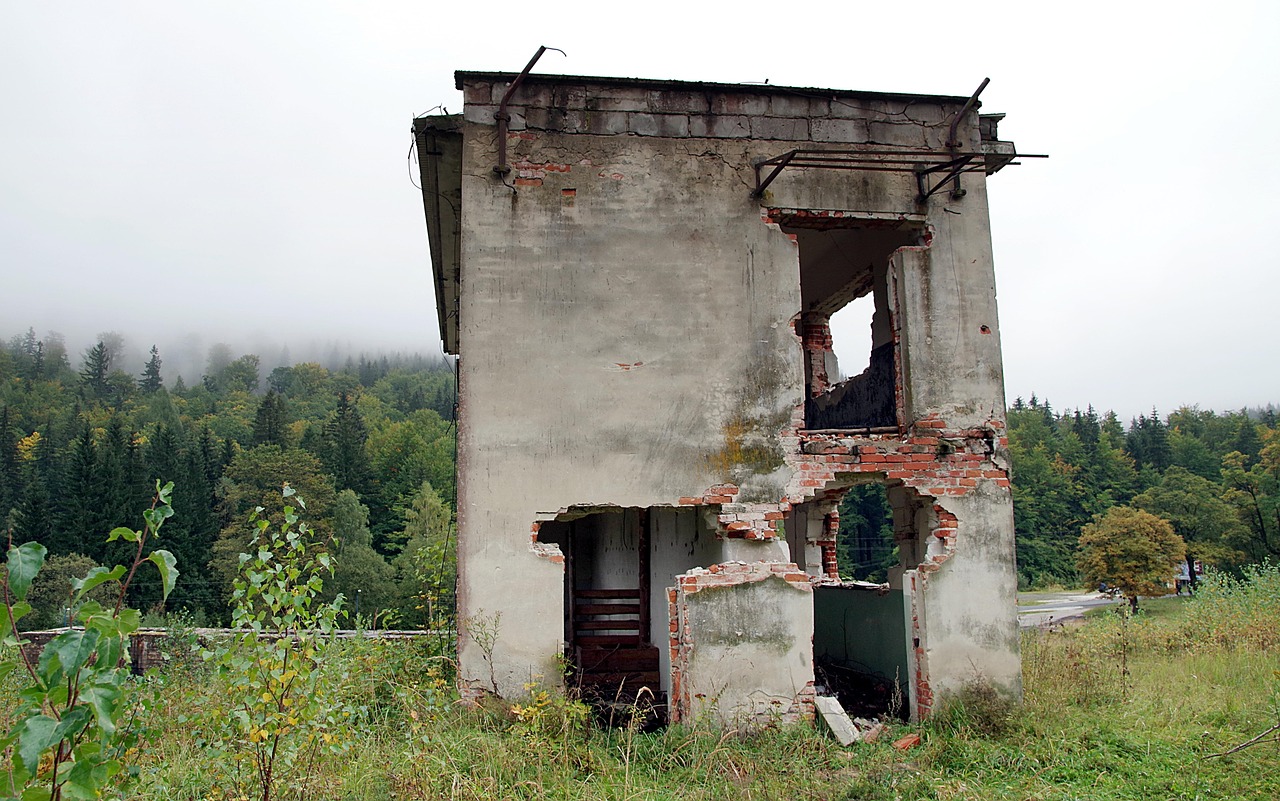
<point x="970" y="602"/>
<point x="623" y="320"/>
<point x="751" y="652"/>
<point x="679" y="543"/>
<point x="606" y="348"/>
<point x="946" y="296"/>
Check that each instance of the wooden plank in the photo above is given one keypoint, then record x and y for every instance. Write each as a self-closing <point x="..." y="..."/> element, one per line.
<point x="607" y="609"/>
<point x="608" y="625"/>
<point x="617" y="659"/>
<point x="610" y="593"/>
<point x="617" y="680"/>
<point x="608" y="639"/>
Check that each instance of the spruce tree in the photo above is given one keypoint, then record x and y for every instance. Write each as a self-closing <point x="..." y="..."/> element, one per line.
<point x="37" y="363"/>
<point x="79" y="504"/>
<point x="271" y="424"/>
<point x="164" y="461"/>
<point x="10" y="475"/>
<point x="343" y="447"/>
<point x="33" y="520"/>
<point x="94" y="371"/>
<point x="151" y="380"/>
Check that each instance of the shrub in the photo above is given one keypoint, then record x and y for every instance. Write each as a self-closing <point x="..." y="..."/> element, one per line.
<point x="68" y="740"/>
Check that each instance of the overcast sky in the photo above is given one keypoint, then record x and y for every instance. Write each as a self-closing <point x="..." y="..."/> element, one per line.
<point x="239" y="170"/>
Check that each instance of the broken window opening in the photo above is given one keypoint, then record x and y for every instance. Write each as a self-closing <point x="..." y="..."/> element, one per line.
<point x="840" y="262"/>
<point x="866" y="547"/>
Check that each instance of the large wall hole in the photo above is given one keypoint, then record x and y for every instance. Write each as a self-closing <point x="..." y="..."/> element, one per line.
<point x="846" y="315"/>
<point x="860" y="641"/>
<point x="618" y="564"/>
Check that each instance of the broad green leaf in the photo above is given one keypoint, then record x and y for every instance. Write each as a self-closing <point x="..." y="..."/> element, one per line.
<point x="17" y="611"/>
<point x="84" y="780"/>
<point x="130" y="620"/>
<point x="289" y="491"/>
<point x="25" y="561"/>
<point x="36" y="794"/>
<point x="103" y="700"/>
<point x="74" y="720"/>
<point x="167" y="565"/>
<point x="94" y="577"/>
<point x="123" y="533"/>
<point x="109" y="652"/>
<point x="71" y="649"/>
<point x="36" y="735"/>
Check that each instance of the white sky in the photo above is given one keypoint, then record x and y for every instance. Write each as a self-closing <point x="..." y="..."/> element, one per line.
<point x="239" y="169"/>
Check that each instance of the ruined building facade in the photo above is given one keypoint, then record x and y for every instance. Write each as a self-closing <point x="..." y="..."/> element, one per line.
<point x="637" y="277"/>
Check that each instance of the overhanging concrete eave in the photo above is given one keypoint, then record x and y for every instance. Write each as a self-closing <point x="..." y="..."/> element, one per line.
<point x="460" y="77"/>
<point x="439" y="148"/>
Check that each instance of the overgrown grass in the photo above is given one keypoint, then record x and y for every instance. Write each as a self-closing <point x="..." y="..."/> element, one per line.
<point x="1115" y="709"/>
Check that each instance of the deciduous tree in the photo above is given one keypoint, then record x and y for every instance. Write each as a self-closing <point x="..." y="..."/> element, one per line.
<point x="1132" y="550"/>
<point x="1197" y="512"/>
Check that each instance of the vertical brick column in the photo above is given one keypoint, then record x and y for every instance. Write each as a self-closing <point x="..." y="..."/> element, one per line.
<point x="830" y="534"/>
<point x="815" y="334"/>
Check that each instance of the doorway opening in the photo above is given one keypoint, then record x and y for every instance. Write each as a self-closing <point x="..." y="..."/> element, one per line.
<point x="613" y="663"/>
<point x="861" y="641"/>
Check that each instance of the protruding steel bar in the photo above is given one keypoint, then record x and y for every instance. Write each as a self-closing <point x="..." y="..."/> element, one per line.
<point x="780" y="164"/>
<point x="919" y="161"/>
<point x="956" y="191"/>
<point x="965" y="109"/>
<point x="503" y="118"/>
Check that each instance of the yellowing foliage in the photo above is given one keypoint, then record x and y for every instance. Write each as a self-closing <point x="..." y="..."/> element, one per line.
<point x="1132" y="550"/>
<point x="27" y="446"/>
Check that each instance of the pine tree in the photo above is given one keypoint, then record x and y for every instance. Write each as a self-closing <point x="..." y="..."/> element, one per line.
<point x="10" y="475"/>
<point x="271" y="424"/>
<point x="94" y="371"/>
<point x="343" y="447"/>
<point x="79" y="505"/>
<point x="151" y="380"/>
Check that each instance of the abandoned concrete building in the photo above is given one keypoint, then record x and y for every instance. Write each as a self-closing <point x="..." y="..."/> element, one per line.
<point x="637" y="277"/>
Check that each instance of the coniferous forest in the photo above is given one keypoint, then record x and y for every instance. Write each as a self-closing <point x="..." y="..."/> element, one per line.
<point x="368" y="441"/>
<point x="1214" y="477"/>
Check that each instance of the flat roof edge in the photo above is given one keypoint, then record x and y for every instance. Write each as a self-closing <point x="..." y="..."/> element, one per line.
<point x="462" y="76"/>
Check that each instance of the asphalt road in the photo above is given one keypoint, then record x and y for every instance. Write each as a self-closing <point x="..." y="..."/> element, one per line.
<point x="1039" y="608"/>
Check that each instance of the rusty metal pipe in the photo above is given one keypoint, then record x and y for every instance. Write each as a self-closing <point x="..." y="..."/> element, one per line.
<point x="968" y="106"/>
<point x="503" y="118"/>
